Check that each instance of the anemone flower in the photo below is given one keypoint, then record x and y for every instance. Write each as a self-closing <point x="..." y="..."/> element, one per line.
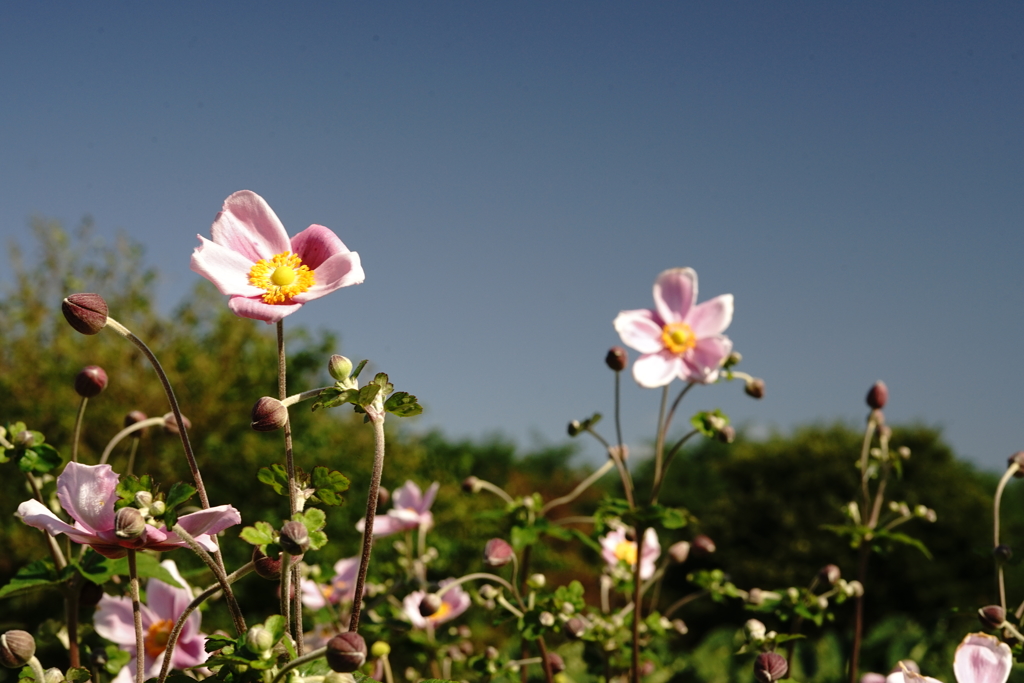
<point x="266" y="274"/>
<point x="980" y="658"/>
<point x="410" y="509"/>
<point x="88" y="494"/>
<point x="678" y="337"/>
<point x="616" y="547"/>
<point x="453" y="603"/>
<point x="341" y="589"/>
<point x="165" y="603"/>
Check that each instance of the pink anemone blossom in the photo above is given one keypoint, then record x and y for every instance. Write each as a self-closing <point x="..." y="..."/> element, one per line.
<point x="88" y="494"/>
<point x="341" y="589"/>
<point x="678" y="337"/>
<point x="980" y="658"/>
<point x="453" y="603"/>
<point x="410" y="509"/>
<point x="165" y="603"/>
<point x="266" y="274"/>
<point x="617" y="547"/>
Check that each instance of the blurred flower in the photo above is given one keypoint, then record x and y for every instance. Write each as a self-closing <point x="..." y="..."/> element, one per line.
<point x="88" y="494"/>
<point x="677" y="338"/>
<point x="980" y="658"/>
<point x="164" y="604"/>
<point x="410" y="510"/>
<point x="266" y="274"/>
<point x="453" y="603"/>
<point x="617" y="547"/>
<point x="342" y="587"/>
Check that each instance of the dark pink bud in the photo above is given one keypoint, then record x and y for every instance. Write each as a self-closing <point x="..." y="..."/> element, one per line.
<point x="346" y="652"/>
<point x="268" y="415"/>
<point x="498" y="553"/>
<point x="134" y="417"/>
<point x="556" y="662"/>
<point x="617" y="359"/>
<point x="755" y="388"/>
<point x="294" y="537"/>
<point x="471" y="484"/>
<point x="878" y="395"/>
<point x="17" y="648"/>
<point x="769" y="667"/>
<point x="830" y="574"/>
<point x="992" y="617"/>
<point x="171" y="425"/>
<point x="1017" y="458"/>
<point x="383" y="497"/>
<point x="90" y="381"/>
<point x="703" y="545"/>
<point x="87" y="313"/>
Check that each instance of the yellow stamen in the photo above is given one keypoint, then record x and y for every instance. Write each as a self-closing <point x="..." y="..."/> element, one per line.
<point x="678" y="337"/>
<point x="283" y="277"/>
<point x="444" y="609"/>
<point x="626" y="550"/>
<point x="156" y="637"/>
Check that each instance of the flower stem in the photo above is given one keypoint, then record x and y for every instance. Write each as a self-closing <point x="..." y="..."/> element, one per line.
<point x="544" y="659"/>
<point x="282" y="391"/>
<point x="617" y="456"/>
<point x="218" y="572"/>
<point x="1010" y="471"/>
<point x="858" y="618"/>
<point x="37" y="669"/>
<point x="286" y="589"/>
<point x="495" y="489"/>
<point x="637" y="597"/>
<point x="78" y="429"/>
<point x="299" y="661"/>
<point x="683" y="601"/>
<point x="668" y="461"/>
<point x="371" y="513"/>
<point x="140" y="645"/>
<point x="580" y="488"/>
<point x="127" y="431"/>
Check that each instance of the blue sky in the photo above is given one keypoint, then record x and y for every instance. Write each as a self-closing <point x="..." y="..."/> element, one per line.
<point x="515" y="174"/>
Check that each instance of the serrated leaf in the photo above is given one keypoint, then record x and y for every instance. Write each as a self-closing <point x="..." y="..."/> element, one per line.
<point x="179" y="493"/>
<point x="260" y="534"/>
<point x="313" y="519"/>
<point x="128" y="486"/>
<point x="78" y="674"/>
<point x="523" y="536"/>
<point x="317" y="540"/>
<point x="117" y="659"/>
<point x="34" y="576"/>
<point x="905" y="540"/>
<point x="367" y="394"/>
<point x="329" y="484"/>
<point x="40" y="459"/>
<point x="276" y="477"/>
<point x="403" y="404"/>
<point x="215" y="642"/>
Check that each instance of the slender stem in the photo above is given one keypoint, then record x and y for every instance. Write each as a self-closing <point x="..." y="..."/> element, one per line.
<point x="299" y="661"/>
<point x="865" y="449"/>
<point x="130" y="429"/>
<point x="638" y="610"/>
<point x="503" y="601"/>
<point x="130" y="467"/>
<point x="580" y="488"/>
<point x="37" y="669"/>
<point x="617" y="455"/>
<point x="675" y="606"/>
<point x="996" y="504"/>
<point x="544" y="659"/>
<point x="286" y="589"/>
<point x="78" y="429"/>
<point x="675" y="404"/>
<point x="140" y="651"/>
<point x="493" y="488"/>
<point x="304" y="396"/>
<point x="282" y="391"/>
<point x="659" y="443"/>
<point x="668" y="461"/>
<point x="858" y="618"/>
<point x="876" y="509"/>
<point x="478" y="575"/>
<point x="300" y="647"/>
<point x="389" y="677"/>
<point x="172" y="639"/>
<point x="218" y="572"/>
<point x="618" y="401"/>
<point x="371" y="513"/>
<point x="71" y="612"/>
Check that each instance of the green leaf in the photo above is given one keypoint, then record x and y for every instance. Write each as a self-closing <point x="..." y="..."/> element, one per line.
<point x="524" y="536"/>
<point x="276" y="625"/>
<point x="317" y="540"/>
<point x="261" y="534"/>
<point x="359" y="368"/>
<point x="903" y="539"/>
<point x="276" y="477"/>
<point x="129" y="486"/>
<point x="314" y="519"/>
<point x="367" y="394"/>
<point x="402" y="404"/>
<point x="332" y="397"/>
<point x="329" y="484"/>
<point x="41" y="458"/>
<point x="586" y="540"/>
<point x="79" y="674"/>
<point x="179" y="493"/>
<point x="709" y="423"/>
<point x="34" y="576"/>
<point x="117" y="659"/>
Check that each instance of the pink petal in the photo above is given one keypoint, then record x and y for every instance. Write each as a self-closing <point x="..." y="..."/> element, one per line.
<point x="257" y="310"/>
<point x="114" y="621"/>
<point x="311" y="595"/>
<point x="675" y="291"/>
<point x="428" y="497"/>
<point x="37" y="515"/>
<point x="640" y="330"/>
<point x="226" y="269"/>
<point x="656" y="369"/>
<point x="385" y="525"/>
<point x="88" y="494"/>
<point x="409" y="497"/>
<point x="209" y="521"/>
<point x="316" y="244"/>
<point x="703" y="362"/>
<point x="982" y="658"/>
<point x="166" y="600"/>
<point x="341" y="270"/>
<point x="249" y="226"/>
<point x="711" y="317"/>
<point x="191" y="649"/>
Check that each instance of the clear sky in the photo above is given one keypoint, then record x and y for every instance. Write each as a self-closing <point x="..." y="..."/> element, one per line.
<point x="514" y="174"/>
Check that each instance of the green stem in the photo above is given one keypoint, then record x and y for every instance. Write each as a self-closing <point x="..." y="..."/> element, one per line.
<point x="580" y="488"/>
<point x="140" y="645"/>
<point x="218" y="572"/>
<point x="996" y="504"/>
<point x="371" y="513"/>
<point x="78" y="429"/>
<point x="127" y="431"/>
<point x="299" y="661"/>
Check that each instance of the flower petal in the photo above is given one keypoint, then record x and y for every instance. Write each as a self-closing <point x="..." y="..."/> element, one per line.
<point x="428" y="497"/>
<point x="114" y="620"/>
<point x="311" y="594"/>
<point x="409" y="496"/>
<point x="167" y="600"/>
<point x="711" y="317"/>
<point x="209" y="521"/>
<point x="316" y="244"/>
<point x="675" y="292"/>
<point x="982" y="658"/>
<point x="226" y="269"/>
<point x="341" y="270"/>
<point x="656" y="369"/>
<point x="639" y="329"/>
<point x="703" y="362"/>
<point x="37" y="515"/>
<point x="257" y="310"/>
<point x="249" y="226"/>
<point x="88" y="494"/>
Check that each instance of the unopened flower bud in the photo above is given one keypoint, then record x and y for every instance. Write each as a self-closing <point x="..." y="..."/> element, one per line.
<point x="770" y="667"/>
<point x="430" y="604"/>
<point x="267" y="567"/>
<point x="1018" y="459"/>
<point x="471" y="484"/>
<point x="556" y="663"/>
<point x="157" y="508"/>
<point x="87" y="313"/>
<point x="830" y="574"/>
<point x="822" y="602"/>
<point x="930" y="516"/>
<point x="793" y="594"/>
<point x="575" y="628"/>
<point x="16" y="648"/>
<point x="383" y="497"/>
<point x="992" y="617"/>
<point x="24" y="439"/>
<point x="380" y="649"/>
<point x="568" y="608"/>
<point x="536" y="581"/>
<point x="617" y="359"/>
<point x="90" y="381"/>
<point x="646" y="668"/>
<point x="680" y="627"/>
<point x="703" y="545"/>
<point x="574" y="428"/>
<point x="878" y="395"/>
<point x="143" y="499"/>
<point x="134" y="417"/>
<point x="1002" y="552"/>
<point x="339" y="367"/>
<point x="678" y="552"/>
<point x="546" y="619"/>
<point x="294" y="537"/>
<point x="754" y="388"/>
<point x="903" y="452"/>
<point x="498" y="553"/>
<point x="491" y="652"/>
<point x="755" y="630"/>
<point x="855" y="589"/>
<point x="268" y="415"/>
<point x="726" y="434"/>
<point x="171" y="425"/>
<point x="346" y="652"/>
<point x="338" y="677"/>
<point x="53" y="675"/>
<point x="259" y="640"/>
<point x="129" y="523"/>
<point x="733" y="359"/>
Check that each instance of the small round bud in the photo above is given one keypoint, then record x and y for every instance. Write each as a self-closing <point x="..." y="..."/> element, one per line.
<point x="53" y="675"/>
<point x="294" y="537"/>
<point x="793" y="594"/>
<point x="429" y="604"/>
<point x="143" y="499"/>
<point x="678" y="552"/>
<point x="24" y="439"/>
<point x="491" y="652"/>
<point x="574" y="428"/>
<point x="17" y="648"/>
<point x="536" y="581"/>
<point x="647" y="668"/>
<point x="855" y="589"/>
<point x="87" y="313"/>
<point x="546" y="619"/>
<point x="498" y="553"/>
<point x="380" y="649"/>
<point x="90" y="381"/>
<point x="703" y="545"/>
<point x="903" y="452"/>
<point x="267" y="567"/>
<point x="822" y="602"/>
<point x="346" y="652"/>
<point x="488" y="592"/>
<point x="617" y="358"/>
<point x="129" y="523"/>
<point x="754" y="388"/>
<point x="770" y="667"/>
<point x="575" y="628"/>
<point x="339" y="367"/>
<point x="1018" y="459"/>
<point x="726" y="434"/>
<point x="259" y="640"/>
<point x="568" y="608"/>
<point x="383" y="497"/>
<point x="830" y="574"/>
<point x="471" y="484"/>
<point x="90" y="594"/>
<point x="680" y="627"/>
<point x="992" y="616"/>
<point x="171" y="425"/>
<point x="556" y="663"/>
<point x="733" y="359"/>
<point x="466" y="647"/>
<point x="878" y="395"/>
<point x="268" y="415"/>
<point x="134" y="417"/>
<point x="157" y="508"/>
<point x="1002" y="552"/>
<point x="755" y="630"/>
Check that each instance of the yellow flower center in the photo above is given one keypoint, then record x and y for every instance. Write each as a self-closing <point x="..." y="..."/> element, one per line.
<point x="282" y="277"/>
<point x="678" y="337"/>
<point x="156" y="637"/>
<point x="626" y="550"/>
<point x="444" y="609"/>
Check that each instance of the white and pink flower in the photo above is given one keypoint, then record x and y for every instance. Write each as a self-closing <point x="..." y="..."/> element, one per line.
<point x="980" y="658"/>
<point x="678" y="337"/>
<point x="266" y="274"/>
<point x="454" y="602"/>
<point x="341" y="589"/>
<point x="88" y="494"/>
<point x="410" y="509"/>
<point x="616" y="547"/>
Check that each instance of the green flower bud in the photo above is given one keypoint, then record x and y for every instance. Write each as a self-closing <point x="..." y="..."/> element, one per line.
<point x="380" y="649"/>
<point x="536" y="581"/>
<point x="339" y="367"/>
<point x="158" y="508"/>
<point x="259" y="640"/>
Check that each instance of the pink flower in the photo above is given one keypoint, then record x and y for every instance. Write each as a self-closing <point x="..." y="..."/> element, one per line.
<point x="410" y="509"/>
<point x="616" y="547"/>
<point x="453" y="603"/>
<point x="88" y="494"/>
<point x="342" y="587"/>
<point x="266" y="274"/>
<point x="980" y="658"/>
<point x="165" y="603"/>
<point x="677" y="337"/>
